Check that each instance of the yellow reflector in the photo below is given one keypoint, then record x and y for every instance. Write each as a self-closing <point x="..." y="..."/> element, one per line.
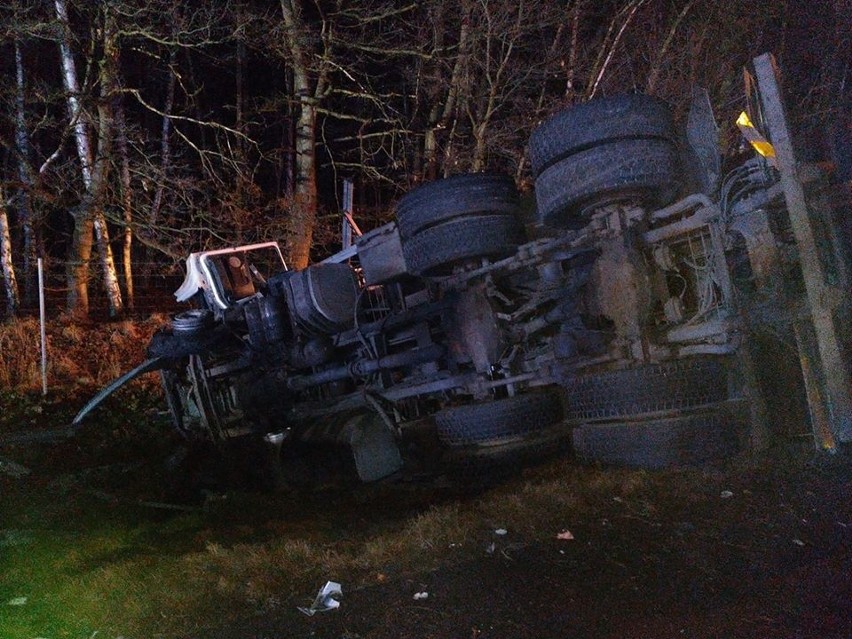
<point x="744" y="120"/>
<point x="757" y="141"/>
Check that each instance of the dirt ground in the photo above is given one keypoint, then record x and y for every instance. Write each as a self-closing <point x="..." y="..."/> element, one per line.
<point x="757" y="548"/>
<point x="773" y="560"/>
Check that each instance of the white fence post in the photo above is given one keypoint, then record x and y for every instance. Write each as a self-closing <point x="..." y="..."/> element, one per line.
<point x="43" y="331"/>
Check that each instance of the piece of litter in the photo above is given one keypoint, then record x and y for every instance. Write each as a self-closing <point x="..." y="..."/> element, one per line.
<point x="501" y="532"/>
<point x="726" y="494"/>
<point x="17" y="601"/>
<point x="324" y="600"/>
<point x="418" y="596"/>
<point x="617" y="499"/>
<point x="490" y="548"/>
<point x="798" y="542"/>
<point x="565" y="535"/>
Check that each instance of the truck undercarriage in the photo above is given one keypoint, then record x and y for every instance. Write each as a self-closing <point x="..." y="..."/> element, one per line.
<point x="613" y="323"/>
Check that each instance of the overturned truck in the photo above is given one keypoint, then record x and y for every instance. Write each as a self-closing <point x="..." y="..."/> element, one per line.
<point x="464" y="333"/>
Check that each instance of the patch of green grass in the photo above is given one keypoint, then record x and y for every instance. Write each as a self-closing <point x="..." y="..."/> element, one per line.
<point x="77" y="583"/>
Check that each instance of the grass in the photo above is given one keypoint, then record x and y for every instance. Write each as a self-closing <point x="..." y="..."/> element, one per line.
<point x="77" y="355"/>
<point x="117" y="569"/>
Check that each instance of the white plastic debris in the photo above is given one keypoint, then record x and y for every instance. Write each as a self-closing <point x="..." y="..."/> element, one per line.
<point x="726" y="494"/>
<point x="565" y="535"/>
<point x="490" y="548"/>
<point x="325" y="599"/>
<point x="501" y="532"/>
<point x="419" y="596"/>
<point x="798" y="542"/>
<point x="17" y="601"/>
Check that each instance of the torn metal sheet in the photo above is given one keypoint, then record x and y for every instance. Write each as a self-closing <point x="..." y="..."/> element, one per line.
<point x="324" y="600"/>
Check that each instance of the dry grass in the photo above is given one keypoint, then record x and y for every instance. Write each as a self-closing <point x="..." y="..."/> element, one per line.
<point x="19" y="355"/>
<point x="533" y="509"/>
<point x="128" y="572"/>
<point x="77" y="354"/>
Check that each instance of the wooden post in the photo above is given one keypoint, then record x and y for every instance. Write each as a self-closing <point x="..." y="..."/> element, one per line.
<point x="823" y="297"/>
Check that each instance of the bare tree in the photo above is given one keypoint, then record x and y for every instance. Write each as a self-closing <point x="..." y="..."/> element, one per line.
<point x="310" y="86"/>
<point x="126" y="202"/>
<point x="10" y="283"/>
<point x="26" y="213"/>
<point x="89" y="217"/>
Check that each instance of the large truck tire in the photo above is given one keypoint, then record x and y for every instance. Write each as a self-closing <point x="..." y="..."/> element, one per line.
<point x="453" y="197"/>
<point x="499" y="420"/>
<point x="434" y="250"/>
<point x="652" y="388"/>
<point x="645" y="172"/>
<point x="597" y="122"/>
<point x="683" y="440"/>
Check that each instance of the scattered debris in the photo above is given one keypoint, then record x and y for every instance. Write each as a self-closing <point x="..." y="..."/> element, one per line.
<point x="565" y="535"/>
<point x="419" y="596"/>
<point x="324" y="600"/>
<point x="490" y="548"/>
<point x="501" y="532"/>
<point x="798" y="542"/>
<point x="726" y="494"/>
<point x="617" y="500"/>
<point x="165" y="506"/>
<point x="8" y="467"/>
<point x="17" y="601"/>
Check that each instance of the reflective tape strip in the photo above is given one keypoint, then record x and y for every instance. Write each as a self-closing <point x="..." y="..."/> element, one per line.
<point x="754" y="137"/>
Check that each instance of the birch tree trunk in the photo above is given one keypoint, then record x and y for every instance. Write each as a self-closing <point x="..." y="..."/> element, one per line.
<point x="106" y="129"/>
<point x="10" y="283"/>
<point x="80" y="251"/>
<point x="302" y="219"/>
<point x="25" y="208"/>
<point x="126" y="203"/>
<point x="89" y="217"/>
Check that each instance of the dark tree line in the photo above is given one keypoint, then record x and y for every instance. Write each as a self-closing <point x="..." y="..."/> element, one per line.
<point x="147" y="128"/>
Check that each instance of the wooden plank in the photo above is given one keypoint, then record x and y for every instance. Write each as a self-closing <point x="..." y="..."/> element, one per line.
<point x="833" y="371"/>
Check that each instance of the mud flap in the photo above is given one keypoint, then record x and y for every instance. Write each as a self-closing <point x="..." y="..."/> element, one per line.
<point x="373" y="446"/>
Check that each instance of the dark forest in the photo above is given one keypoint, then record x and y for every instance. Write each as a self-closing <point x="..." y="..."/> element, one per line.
<point x="136" y="131"/>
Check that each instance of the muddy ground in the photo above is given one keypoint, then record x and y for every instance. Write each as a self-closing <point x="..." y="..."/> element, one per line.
<point x="754" y="548"/>
<point x="772" y="560"/>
